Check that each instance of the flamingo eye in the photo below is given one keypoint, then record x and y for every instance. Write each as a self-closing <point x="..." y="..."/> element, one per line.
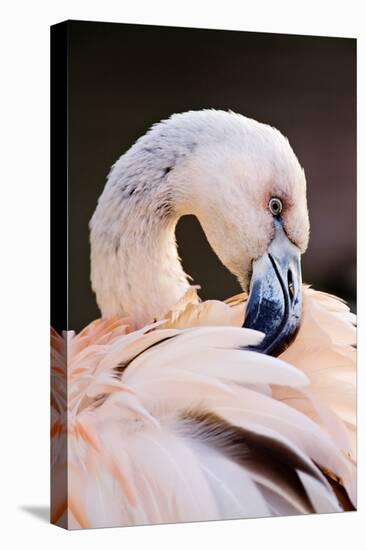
<point x="275" y="206"/>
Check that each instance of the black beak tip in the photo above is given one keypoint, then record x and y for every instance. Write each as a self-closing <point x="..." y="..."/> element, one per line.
<point x="274" y="304"/>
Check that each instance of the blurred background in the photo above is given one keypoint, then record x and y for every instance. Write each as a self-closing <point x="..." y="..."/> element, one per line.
<point x="123" y="78"/>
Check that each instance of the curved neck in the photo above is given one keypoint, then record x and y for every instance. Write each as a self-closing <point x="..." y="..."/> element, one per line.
<point x="136" y="270"/>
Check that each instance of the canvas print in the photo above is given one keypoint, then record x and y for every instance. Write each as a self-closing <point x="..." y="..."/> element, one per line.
<point x="203" y="344"/>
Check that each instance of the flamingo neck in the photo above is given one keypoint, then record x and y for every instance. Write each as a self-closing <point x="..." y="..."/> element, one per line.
<point x="136" y="270"/>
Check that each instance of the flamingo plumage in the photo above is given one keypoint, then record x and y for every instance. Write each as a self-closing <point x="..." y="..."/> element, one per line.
<point x="174" y="409"/>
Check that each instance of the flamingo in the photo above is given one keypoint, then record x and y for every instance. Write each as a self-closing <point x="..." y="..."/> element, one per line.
<point x="181" y="410"/>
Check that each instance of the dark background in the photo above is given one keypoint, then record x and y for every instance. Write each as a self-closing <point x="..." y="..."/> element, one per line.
<point x="123" y="78"/>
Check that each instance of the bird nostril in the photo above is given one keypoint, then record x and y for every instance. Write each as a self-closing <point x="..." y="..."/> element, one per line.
<point x="290" y="284"/>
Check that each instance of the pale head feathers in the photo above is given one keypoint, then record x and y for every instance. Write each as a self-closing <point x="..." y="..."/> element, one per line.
<point x="221" y="167"/>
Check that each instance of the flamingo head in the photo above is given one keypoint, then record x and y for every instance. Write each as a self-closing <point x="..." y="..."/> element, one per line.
<point x="247" y="188"/>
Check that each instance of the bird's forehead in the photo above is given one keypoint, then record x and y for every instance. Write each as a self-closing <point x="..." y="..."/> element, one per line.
<point x="265" y="158"/>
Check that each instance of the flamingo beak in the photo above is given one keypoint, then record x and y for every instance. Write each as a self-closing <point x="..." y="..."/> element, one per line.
<point x="274" y="304"/>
